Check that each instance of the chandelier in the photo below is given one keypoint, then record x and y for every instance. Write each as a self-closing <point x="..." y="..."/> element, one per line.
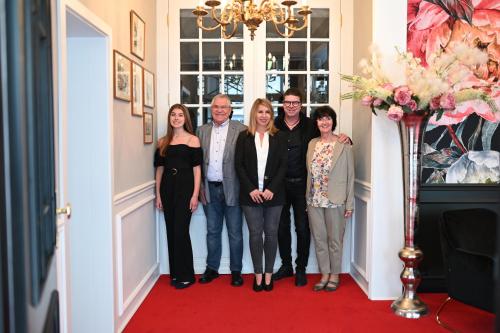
<point x="250" y="14"/>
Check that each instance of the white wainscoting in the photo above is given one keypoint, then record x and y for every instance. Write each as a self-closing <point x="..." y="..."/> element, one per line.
<point x="136" y="249"/>
<point x="360" y="232"/>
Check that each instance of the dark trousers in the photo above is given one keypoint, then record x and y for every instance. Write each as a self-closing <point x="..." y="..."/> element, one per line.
<point x="295" y="198"/>
<point x="180" y="253"/>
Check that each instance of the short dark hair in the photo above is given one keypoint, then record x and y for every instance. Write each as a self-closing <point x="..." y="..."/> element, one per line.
<point x="325" y="111"/>
<point x="294" y="92"/>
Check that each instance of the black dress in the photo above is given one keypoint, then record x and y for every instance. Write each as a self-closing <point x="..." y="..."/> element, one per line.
<point x="176" y="190"/>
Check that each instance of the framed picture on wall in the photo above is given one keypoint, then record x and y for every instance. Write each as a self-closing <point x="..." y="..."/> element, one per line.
<point x="137" y="35"/>
<point x="149" y="89"/>
<point x="137" y="98"/>
<point x="121" y="76"/>
<point x="148" y="127"/>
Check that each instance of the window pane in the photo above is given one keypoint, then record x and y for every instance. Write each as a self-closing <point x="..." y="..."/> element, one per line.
<point x="298" y="81"/>
<point x="233" y="87"/>
<point x="209" y="22"/>
<point x="233" y="56"/>
<point x="319" y="88"/>
<point x="211" y="56"/>
<point x="297" y="51"/>
<point x="189" y="56"/>
<point x="189" y="29"/>
<point x="193" y="113"/>
<point x="320" y="23"/>
<point x="238" y="112"/>
<point x="275" y="85"/>
<point x="207" y="115"/>
<point x="319" y="56"/>
<point x="271" y="31"/>
<point x="275" y="54"/>
<point x="211" y="86"/>
<point x="301" y="33"/>
<point x="239" y="31"/>
<point x="189" y="89"/>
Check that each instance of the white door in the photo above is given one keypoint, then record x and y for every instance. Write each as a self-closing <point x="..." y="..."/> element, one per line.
<point x="84" y="169"/>
<point x="195" y="65"/>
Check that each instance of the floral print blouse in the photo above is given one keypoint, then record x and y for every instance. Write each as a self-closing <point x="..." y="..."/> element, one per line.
<point x="320" y="168"/>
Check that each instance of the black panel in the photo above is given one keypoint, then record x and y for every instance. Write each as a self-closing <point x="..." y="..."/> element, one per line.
<point x="52" y="318"/>
<point x="40" y="145"/>
<point x="434" y="200"/>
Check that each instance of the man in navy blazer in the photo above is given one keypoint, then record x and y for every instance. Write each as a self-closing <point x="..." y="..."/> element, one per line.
<point x="220" y="190"/>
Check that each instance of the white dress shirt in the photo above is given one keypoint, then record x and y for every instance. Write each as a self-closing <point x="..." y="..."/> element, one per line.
<point x="262" y="148"/>
<point x="217" y="144"/>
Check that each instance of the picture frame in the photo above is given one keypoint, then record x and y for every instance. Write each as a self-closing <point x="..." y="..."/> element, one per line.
<point x="137" y="35"/>
<point x="122" y="80"/>
<point x="137" y="90"/>
<point x="149" y="89"/>
<point x="148" y="128"/>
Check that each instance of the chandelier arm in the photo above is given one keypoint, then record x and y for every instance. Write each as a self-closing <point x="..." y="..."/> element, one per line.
<point x="283" y="34"/>
<point x="200" y="25"/>
<point x="281" y="14"/>
<point x="213" y="14"/>
<point x="235" y="28"/>
<point x="304" y="25"/>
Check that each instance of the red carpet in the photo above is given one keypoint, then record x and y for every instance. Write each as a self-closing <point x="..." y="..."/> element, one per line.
<point x="218" y="307"/>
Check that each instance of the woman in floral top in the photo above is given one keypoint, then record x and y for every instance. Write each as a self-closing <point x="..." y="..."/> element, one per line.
<point x="330" y="196"/>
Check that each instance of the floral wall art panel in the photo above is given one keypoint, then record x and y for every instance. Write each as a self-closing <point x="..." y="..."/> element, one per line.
<point x="463" y="146"/>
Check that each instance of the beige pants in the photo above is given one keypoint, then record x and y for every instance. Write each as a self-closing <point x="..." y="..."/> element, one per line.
<point x="327" y="227"/>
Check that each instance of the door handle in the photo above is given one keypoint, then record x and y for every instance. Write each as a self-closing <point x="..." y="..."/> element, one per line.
<point x="64" y="211"/>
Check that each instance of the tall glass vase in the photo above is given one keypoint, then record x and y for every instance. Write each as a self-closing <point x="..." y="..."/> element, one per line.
<point x="411" y="129"/>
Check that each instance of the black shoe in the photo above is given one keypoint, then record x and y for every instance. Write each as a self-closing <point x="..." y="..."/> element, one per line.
<point x="172" y="282"/>
<point x="258" y="287"/>
<point x="269" y="287"/>
<point x="300" y="278"/>
<point x="283" y="272"/>
<point x="236" y="279"/>
<point x="182" y="285"/>
<point x="208" y="276"/>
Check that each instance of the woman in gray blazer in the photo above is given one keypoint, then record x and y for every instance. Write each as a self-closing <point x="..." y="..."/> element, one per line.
<point x="330" y="196"/>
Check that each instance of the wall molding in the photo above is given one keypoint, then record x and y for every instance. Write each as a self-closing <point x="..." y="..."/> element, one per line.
<point x="133" y="192"/>
<point x="123" y="304"/>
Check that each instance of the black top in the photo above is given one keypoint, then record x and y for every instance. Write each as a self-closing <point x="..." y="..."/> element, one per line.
<point x="297" y="141"/>
<point x="176" y="157"/>
<point x="245" y="161"/>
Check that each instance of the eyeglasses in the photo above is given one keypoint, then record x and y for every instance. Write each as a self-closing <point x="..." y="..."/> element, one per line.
<point x="219" y="107"/>
<point x="291" y="103"/>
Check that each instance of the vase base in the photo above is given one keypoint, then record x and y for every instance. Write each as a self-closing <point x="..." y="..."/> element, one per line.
<point x="409" y="308"/>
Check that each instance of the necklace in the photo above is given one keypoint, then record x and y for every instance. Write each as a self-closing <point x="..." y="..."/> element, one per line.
<point x="292" y="125"/>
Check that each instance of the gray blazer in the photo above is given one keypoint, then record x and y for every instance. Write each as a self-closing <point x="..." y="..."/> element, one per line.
<point x="230" y="178"/>
<point x="341" y="176"/>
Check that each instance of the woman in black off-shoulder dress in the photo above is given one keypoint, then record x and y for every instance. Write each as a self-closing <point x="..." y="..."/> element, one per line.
<point x="178" y="175"/>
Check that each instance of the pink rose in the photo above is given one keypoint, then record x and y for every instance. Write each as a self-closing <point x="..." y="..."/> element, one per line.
<point x="435" y="103"/>
<point x="447" y="101"/>
<point x="367" y="100"/>
<point x="388" y="86"/>
<point x="395" y="113"/>
<point x="377" y="102"/>
<point x="412" y="105"/>
<point x="402" y="95"/>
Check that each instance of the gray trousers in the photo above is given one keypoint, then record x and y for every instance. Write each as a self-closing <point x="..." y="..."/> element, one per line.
<point x="265" y="220"/>
<point x="327" y="227"/>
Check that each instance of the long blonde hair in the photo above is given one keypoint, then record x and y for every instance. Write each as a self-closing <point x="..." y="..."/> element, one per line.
<point x="252" y="126"/>
<point x="164" y="142"/>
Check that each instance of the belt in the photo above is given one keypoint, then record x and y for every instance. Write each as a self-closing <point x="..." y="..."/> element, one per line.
<point x="294" y="180"/>
<point x="216" y="184"/>
<point x="174" y="171"/>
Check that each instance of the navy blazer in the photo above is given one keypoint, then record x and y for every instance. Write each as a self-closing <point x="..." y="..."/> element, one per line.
<point x="246" y="167"/>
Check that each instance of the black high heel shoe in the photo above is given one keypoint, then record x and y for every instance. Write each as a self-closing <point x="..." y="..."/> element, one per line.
<point x="268" y="287"/>
<point x="258" y="287"/>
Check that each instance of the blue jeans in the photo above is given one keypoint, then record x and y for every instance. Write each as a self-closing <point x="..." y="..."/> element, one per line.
<point x="215" y="212"/>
